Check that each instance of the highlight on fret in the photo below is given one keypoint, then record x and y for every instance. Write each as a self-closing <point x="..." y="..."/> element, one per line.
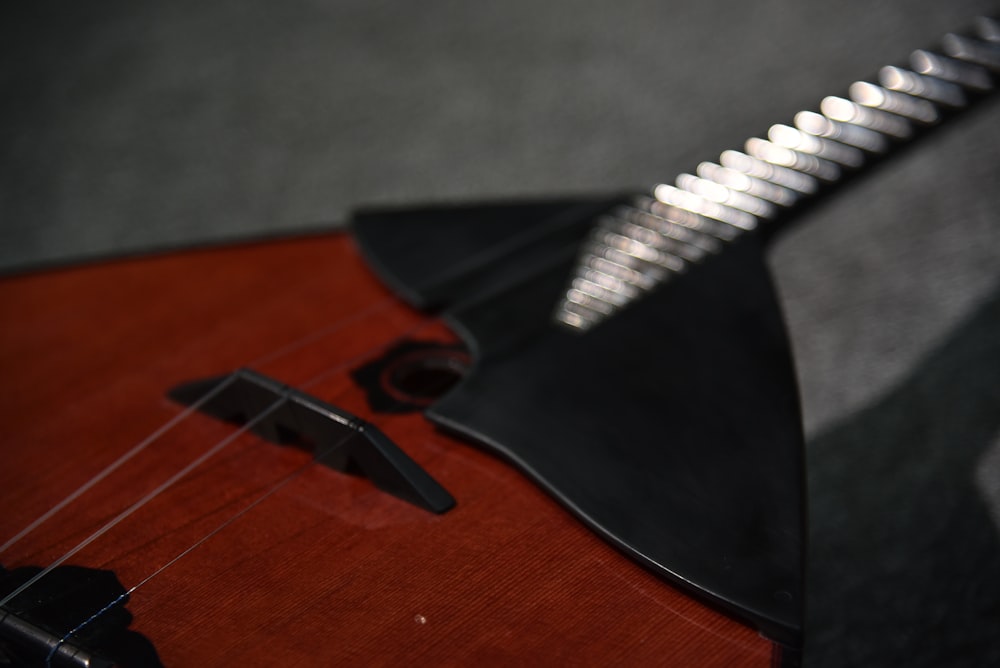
<point x="639" y="246"/>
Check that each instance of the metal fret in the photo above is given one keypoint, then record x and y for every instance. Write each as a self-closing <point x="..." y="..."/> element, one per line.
<point x="644" y="244"/>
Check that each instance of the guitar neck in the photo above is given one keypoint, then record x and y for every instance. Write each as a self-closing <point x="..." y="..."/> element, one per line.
<point x="642" y="244"/>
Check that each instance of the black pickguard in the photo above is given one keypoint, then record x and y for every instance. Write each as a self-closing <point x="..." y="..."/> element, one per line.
<point x="673" y="429"/>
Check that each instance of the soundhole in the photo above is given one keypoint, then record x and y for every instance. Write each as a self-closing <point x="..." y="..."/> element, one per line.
<point x="412" y="375"/>
<point x="425" y="376"/>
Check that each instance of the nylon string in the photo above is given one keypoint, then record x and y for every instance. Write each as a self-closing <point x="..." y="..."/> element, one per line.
<point x="108" y="470"/>
<point x="216" y="448"/>
<point x="187" y="412"/>
<point x="281" y="483"/>
<point x="243" y="511"/>
<point x="147" y="498"/>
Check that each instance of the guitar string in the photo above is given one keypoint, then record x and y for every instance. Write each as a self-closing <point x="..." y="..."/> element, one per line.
<point x="421" y="323"/>
<point x="375" y="308"/>
<point x="280" y="484"/>
<point x="187" y="412"/>
<point x="122" y="516"/>
<point x="108" y="470"/>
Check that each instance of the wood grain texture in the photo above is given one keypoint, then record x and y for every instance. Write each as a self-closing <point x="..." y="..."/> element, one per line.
<point x="325" y="568"/>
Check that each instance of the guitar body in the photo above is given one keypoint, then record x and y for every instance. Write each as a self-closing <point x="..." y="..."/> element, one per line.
<point x="291" y="561"/>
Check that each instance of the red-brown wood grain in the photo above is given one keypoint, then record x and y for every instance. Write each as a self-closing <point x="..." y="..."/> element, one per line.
<point x="326" y="569"/>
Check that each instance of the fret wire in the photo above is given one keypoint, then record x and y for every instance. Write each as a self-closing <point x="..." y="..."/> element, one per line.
<point x="728" y="199"/>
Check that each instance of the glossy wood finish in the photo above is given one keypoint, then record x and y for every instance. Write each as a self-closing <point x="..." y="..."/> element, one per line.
<point x="325" y="569"/>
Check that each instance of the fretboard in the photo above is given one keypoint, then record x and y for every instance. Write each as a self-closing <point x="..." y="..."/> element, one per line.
<point x="641" y="245"/>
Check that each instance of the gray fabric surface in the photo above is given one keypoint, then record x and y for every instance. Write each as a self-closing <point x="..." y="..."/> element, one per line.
<point x="134" y="126"/>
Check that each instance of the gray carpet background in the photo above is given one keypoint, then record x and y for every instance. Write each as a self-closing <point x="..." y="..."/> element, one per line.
<point x="130" y="127"/>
